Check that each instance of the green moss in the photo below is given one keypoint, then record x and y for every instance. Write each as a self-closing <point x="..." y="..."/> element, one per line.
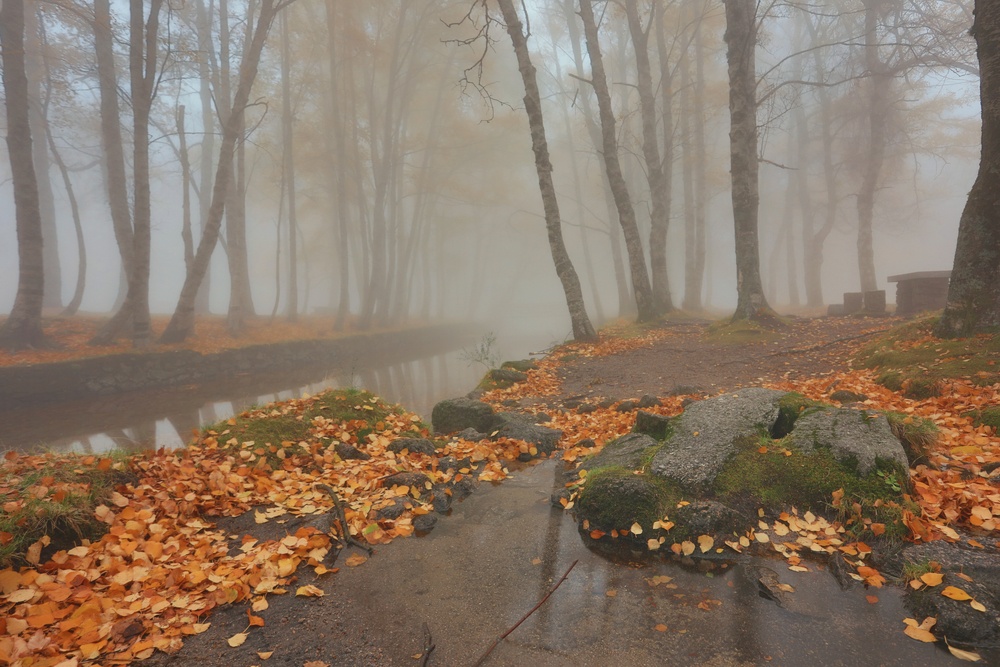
<point x="910" y="358"/>
<point x="986" y="417"/>
<point x="727" y="332"/>
<point x="916" y="569"/>
<point x="71" y="490"/>
<point x="792" y="406"/>
<point x="615" y="498"/>
<point x="522" y="365"/>
<point x="807" y="481"/>
<point x="916" y="434"/>
<point x="271" y="426"/>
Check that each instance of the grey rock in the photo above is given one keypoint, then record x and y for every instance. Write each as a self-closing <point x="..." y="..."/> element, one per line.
<point x="627" y="452"/>
<point x="648" y="401"/>
<point x="706" y="433"/>
<point x="393" y="511"/>
<point x="472" y="435"/>
<point x="850" y="435"/>
<point x="455" y="414"/>
<point x="520" y="427"/>
<point x="413" y="445"/>
<point x="586" y="408"/>
<point x="523" y="365"/>
<point x="425" y="523"/>
<point x="507" y="376"/>
<point x="844" y="396"/>
<point x="462" y="489"/>
<point x="446" y="463"/>
<point x="656" y="426"/>
<point x="607" y="403"/>
<point x="627" y="406"/>
<point x="707" y="517"/>
<point x="636" y="497"/>
<point x="349" y="452"/>
<point x="440" y="498"/>
<point x="417" y="479"/>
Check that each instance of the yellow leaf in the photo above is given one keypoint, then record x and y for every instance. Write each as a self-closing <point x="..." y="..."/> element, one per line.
<point x="955" y="593"/>
<point x="536" y="561"/>
<point x="260" y="605"/>
<point x="918" y="634"/>
<point x="355" y="560"/>
<point x="687" y="547"/>
<point x="309" y="591"/>
<point x="200" y="627"/>
<point x="22" y="595"/>
<point x="636" y="529"/>
<point x="932" y="578"/>
<point x="653" y="544"/>
<point x="264" y="655"/>
<point x="762" y="538"/>
<point x="978" y="606"/>
<point x="660" y="627"/>
<point x="237" y="639"/>
<point x="705" y="542"/>
<point x="611" y="592"/>
<point x="968" y="656"/>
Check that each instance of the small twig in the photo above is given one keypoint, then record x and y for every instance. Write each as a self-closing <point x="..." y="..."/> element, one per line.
<point x="345" y="532"/>
<point x="428" y="646"/>
<point x="499" y="639"/>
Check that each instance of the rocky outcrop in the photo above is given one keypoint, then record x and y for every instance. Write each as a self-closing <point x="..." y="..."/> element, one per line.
<point x="856" y="437"/>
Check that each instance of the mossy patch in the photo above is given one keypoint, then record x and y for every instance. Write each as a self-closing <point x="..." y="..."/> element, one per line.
<point x="273" y="427"/>
<point x="57" y="499"/>
<point x="911" y="359"/>
<point x="916" y="434"/>
<point x="728" y="332"/>
<point x="775" y="480"/>
<point x="986" y="417"/>
<point x="792" y="406"/>
<point x="615" y="498"/>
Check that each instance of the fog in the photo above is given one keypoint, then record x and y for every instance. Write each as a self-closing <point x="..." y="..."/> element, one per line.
<point x="413" y="160"/>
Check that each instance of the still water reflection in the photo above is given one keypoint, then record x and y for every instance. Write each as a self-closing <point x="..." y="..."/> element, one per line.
<point x="169" y="417"/>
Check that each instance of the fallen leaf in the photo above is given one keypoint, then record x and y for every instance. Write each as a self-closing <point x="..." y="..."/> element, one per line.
<point x="355" y="560"/>
<point x="611" y="593"/>
<point x="636" y="529"/>
<point x="872" y="599"/>
<point x="309" y="591"/>
<point x="978" y="606"/>
<point x="660" y="627"/>
<point x="264" y="655"/>
<point x="237" y="639"/>
<point x="919" y="634"/>
<point x="955" y="593"/>
<point x="705" y="542"/>
<point x="932" y="578"/>
<point x="968" y="656"/>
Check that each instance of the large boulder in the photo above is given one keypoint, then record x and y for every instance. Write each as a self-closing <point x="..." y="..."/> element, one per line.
<point x="455" y="414"/>
<point x="850" y="435"/>
<point x="629" y="452"/>
<point x="706" y="434"/>
<point x="614" y="498"/>
<point x="956" y="619"/>
<point x="521" y="427"/>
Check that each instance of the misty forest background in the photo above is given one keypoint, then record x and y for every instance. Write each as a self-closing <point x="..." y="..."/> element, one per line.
<point x="376" y="163"/>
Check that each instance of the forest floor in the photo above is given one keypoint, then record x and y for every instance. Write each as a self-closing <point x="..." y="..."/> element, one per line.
<point x="217" y="554"/>
<point x="69" y="337"/>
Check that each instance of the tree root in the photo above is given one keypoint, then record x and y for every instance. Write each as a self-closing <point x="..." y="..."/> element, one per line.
<point x="345" y="538"/>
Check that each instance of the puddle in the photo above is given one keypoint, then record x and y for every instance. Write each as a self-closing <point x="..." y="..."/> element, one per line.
<point x="502" y="549"/>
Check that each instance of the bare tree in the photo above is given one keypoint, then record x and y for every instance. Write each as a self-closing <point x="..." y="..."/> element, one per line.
<point x="23" y="327"/>
<point x="974" y="293"/>
<point x="583" y="330"/>
<point x="741" y="41"/>
<point x="645" y="303"/>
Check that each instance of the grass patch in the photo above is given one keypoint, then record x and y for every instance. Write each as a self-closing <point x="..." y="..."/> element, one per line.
<point x="773" y="480"/>
<point x="986" y="417"/>
<point x="274" y="428"/>
<point x="727" y="332"/>
<point x="916" y="569"/>
<point x="916" y="434"/>
<point x="911" y="359"/>
<point x="55" y="496"/>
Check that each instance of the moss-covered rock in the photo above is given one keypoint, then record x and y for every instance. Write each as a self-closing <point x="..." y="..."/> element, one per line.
<point x="916" y="434"/>
<point x="654" y="425"/>
<point x="857" y="438"/>
<point x="986" y="417"/>
<point x="792" y="406"/>
<point x="629" y="452"/>
<point x="615" y="498"/>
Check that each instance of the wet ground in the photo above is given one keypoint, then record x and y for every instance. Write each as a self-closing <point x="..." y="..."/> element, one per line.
<point x="488" y="563"/>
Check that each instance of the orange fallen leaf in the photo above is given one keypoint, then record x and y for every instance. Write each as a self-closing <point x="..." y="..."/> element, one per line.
<point x="660" y="627"/>
<point x="237" y="639"/>
<point x="955" y="593"/>
<point x="932" y="578"/>
<point x="355" y="560"/>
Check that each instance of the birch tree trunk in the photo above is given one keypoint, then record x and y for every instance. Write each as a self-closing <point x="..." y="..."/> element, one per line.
<point x="583" y="330"/>
<point x="974" y="293"/>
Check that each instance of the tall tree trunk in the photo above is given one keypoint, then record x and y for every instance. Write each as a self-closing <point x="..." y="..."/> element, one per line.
<point x="143" y="47"/>
<point x="741" y="41"/>
<point x="694" y="275"/>
<point x="626" y="304"/>
<point x="288" y="153"/>
<point x="38" y="109"/>
<point x="659" y="191"/>
<point x="338" y="170"/>
<point x="114" y="163"/>
<point x="644" y="301"/>
<point x="205" y="171"/>
<point x="23" y="327"/>
<point x="182" y="322"/>
<point x="182" y="152"/>
<point x="878" y="84"/>
<point x="974" y="292"/>
<point x="583" y="330"/>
